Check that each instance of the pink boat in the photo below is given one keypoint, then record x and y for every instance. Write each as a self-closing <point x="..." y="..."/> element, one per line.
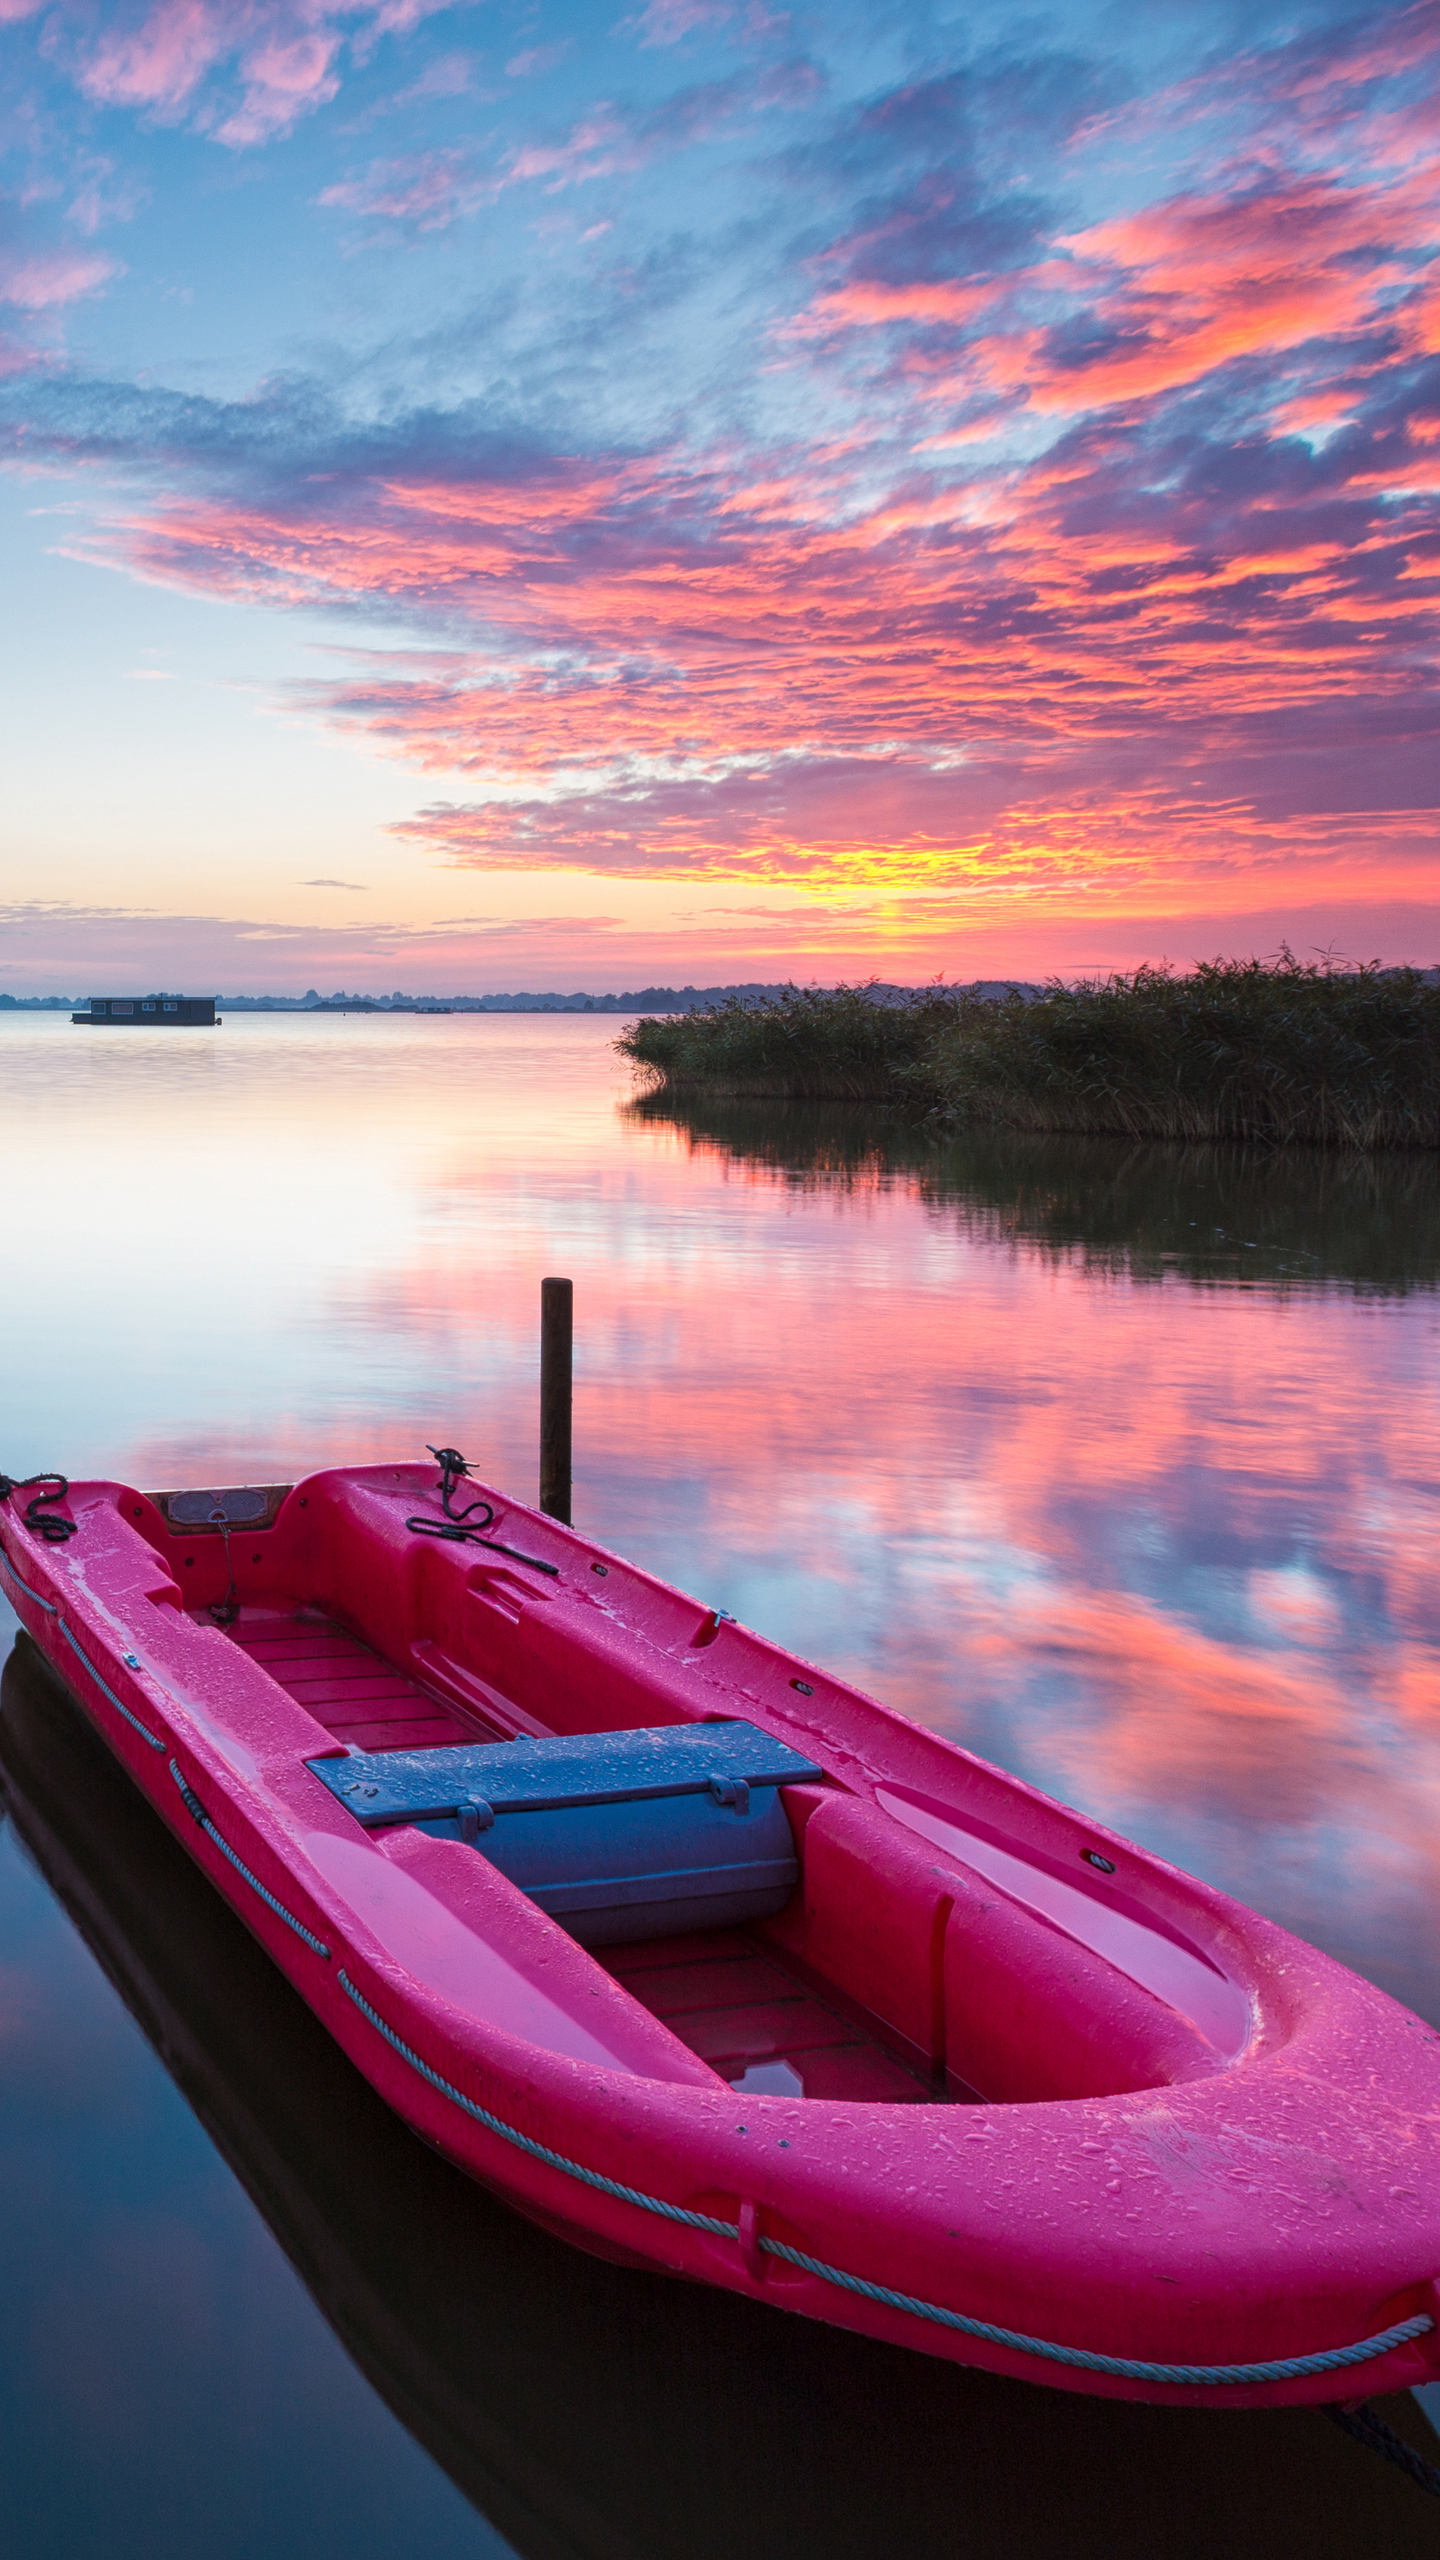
<point x="709" y="1962"/>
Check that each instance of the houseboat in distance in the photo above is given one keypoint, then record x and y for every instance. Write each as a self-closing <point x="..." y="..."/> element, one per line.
<point x="158" y="1011"/>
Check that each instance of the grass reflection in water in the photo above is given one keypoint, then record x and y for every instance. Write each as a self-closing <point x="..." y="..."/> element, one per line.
<point x="1369" y="1223"/>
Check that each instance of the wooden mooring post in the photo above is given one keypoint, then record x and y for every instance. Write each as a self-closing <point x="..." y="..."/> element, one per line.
<point x="557" y="1339"/>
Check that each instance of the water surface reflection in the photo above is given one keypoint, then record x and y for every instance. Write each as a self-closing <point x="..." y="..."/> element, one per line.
<point x="1118" y="1466"/>
<point x="1144" y="1212"/>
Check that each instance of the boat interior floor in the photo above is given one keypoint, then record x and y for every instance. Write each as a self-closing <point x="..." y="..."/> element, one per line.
<point x="725" y="1993"/>
<point x="357" y="1695"/>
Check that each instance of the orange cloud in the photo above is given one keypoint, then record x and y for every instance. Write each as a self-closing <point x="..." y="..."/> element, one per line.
<point x="1087" y="565"/>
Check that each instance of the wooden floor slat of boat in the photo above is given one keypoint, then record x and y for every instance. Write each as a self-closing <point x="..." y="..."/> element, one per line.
<point x="358" y="1697"/>
<point x="735" y="2006"/>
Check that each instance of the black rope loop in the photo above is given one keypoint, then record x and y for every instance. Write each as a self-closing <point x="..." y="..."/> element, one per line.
<point x="226" y="1611"/>
<point x="457" y="1525"/>
<point x="452" y="1467"/>
<point x="1367" y="2426"/>
<point x="46" y="1524"/>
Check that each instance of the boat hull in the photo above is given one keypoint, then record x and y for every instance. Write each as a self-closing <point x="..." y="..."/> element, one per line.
<point x="576" y="2404"/>
<point x="1273" y="2207"/>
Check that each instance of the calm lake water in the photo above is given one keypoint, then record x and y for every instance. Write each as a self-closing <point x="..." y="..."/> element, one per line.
<point x="1120" y="1466"/>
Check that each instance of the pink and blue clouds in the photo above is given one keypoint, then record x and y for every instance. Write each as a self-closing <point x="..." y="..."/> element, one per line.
<point x="877" y="486"/>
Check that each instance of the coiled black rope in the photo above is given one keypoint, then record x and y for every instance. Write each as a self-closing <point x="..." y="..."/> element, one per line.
<point x="226" y="1611"/>
<point x="456" y="1524"/>
<point x="1368" y="2428"/>
<point x="46" y="1524"/>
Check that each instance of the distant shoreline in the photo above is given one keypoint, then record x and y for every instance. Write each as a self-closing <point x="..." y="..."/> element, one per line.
<point x="635" y="1000"/>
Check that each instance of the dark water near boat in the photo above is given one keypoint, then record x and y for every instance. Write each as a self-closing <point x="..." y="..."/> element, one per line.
<point x="1119" y="1465"/>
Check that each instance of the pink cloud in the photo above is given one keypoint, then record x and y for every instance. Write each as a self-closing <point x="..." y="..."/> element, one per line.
<point x="665" y="22"/>
<point x="704" y="670"/>
<point x="47" y="280"/>
<point x="669" y="22"/>
<point x="451" y="75"/>
<point x="283" y="80"/>
<point x="868" y="303"/>
<point x="997" y="836"/>
<point x="160" y="62"/>
<point x="242" y="73"/>
<point x="1170" y="625"/>
<point x="428" y="190"/>
<point x="596" y="147"/>
<point x="52" y="945"/>
<point x="1207" y="278"/>
<point x="401" y="17"/>
<point x="1152" y="301"/>
<point x="103" y="195"/>
<point x="535" y="58"/>
<point x="1313" y="209"/>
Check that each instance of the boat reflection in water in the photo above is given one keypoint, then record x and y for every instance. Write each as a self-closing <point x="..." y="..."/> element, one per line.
<point x="590" y="2412"/>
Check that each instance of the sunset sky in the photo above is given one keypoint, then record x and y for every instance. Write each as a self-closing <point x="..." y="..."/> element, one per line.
<point x="506" y="495"/>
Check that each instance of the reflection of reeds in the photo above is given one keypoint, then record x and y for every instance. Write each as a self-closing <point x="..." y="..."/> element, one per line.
<point x="809" y="1145"/>
<point x="1264" y="1052"/>
<point x="1214" y="1213"/>
<point x="1206" y="1213"/>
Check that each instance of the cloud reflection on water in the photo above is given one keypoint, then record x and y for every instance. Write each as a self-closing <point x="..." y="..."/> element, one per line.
<point x="1116" y="1465"/>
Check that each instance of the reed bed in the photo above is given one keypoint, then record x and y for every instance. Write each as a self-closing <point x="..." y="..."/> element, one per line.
<point x="1267" y="1053"/>
<point x="832" y="1044"/>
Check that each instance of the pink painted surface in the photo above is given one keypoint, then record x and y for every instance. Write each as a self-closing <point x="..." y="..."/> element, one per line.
<point x="1157" y="1959"/>
<point x="1115" y="2181"/>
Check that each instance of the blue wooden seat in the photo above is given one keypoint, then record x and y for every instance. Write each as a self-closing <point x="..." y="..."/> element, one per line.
<point x="617" y="1835"/>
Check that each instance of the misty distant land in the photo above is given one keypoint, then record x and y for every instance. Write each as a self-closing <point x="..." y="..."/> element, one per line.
<point x="637" y="1000"/>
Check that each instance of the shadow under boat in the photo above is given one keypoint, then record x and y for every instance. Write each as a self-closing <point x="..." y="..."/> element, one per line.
<point x="595" y="2413"/>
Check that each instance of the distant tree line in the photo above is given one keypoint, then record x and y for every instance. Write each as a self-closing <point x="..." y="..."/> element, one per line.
<point x="636" y="1000"/>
